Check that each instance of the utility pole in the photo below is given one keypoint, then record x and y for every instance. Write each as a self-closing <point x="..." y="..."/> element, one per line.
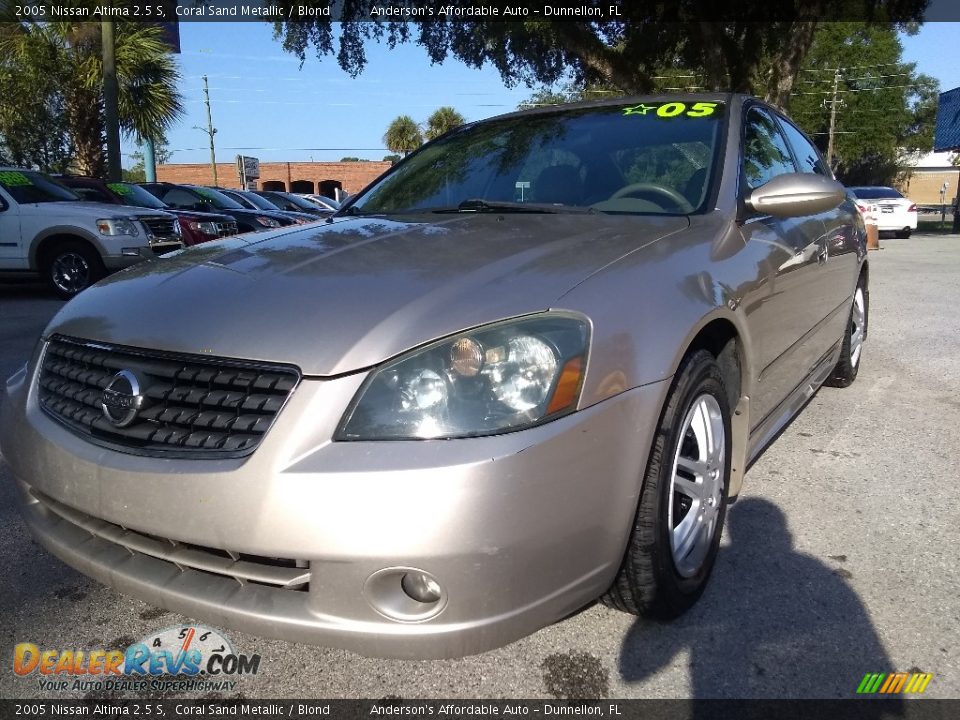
<point x="110" y="93"/>
<point x="149" y="160"/>
<point x="831" y="155"/>
<point x="209" y="130"/>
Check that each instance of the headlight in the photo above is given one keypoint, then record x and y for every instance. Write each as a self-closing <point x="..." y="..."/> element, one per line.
<point x="497" y="378"/>
<point x="269" y="222"/>
<point x="207" y="228"/>
<point x="117" y="226"/>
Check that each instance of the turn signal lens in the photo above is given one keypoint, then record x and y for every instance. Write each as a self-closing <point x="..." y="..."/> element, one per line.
<point x="568" y="386"/>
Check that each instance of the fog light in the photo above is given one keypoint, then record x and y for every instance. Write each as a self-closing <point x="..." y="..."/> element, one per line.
<point x="405" y="594"/>
<point x="421" y="587"/>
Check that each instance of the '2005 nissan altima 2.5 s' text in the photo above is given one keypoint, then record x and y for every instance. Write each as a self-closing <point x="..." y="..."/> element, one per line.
<point x="526" y="368"/>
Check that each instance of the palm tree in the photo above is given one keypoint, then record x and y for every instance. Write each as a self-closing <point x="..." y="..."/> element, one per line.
<point x="147" y="78"/>
<point x="441" y="121"/>
<point x="403" y="135"/>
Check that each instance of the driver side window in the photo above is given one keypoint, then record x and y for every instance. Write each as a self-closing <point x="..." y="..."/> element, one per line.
<point x="765" y="151"/>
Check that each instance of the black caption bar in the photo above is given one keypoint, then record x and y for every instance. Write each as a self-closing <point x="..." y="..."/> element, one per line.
<point x="448" y="709"/>
<point x="634" y="11"/>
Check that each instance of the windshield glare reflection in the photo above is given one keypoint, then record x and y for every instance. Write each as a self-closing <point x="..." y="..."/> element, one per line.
<point x="653" y="158"/>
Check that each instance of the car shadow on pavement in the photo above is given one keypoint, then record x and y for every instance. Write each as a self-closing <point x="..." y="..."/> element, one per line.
<point x="773" y="623"/>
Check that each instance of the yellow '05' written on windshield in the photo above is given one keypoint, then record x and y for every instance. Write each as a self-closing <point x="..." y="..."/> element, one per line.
<point x="675" y="109"/>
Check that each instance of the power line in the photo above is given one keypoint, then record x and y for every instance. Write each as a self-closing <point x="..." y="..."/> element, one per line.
<point x="856" y="90"/>
<point x="849" y="67"/>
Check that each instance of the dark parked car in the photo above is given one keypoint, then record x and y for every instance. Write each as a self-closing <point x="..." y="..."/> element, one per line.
<point x="289" y="201"/>
<point x="203" y="199"/>
<point x="197" y="227"/>
<point x="322" y="201"/>
<point x="252" y="201"/>
<point x="526" y="368"/>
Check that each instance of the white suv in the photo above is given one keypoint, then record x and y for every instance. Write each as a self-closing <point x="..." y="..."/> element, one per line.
<point x="46" y="229"/>
<point x="894" y="212"/>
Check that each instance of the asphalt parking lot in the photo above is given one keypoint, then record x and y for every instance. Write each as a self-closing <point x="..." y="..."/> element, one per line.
<point x="839" y="559"/>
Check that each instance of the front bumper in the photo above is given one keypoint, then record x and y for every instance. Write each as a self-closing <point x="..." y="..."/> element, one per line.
<point x="518" y="529"/>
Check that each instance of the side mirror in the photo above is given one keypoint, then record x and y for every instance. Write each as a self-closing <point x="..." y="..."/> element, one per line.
<point x="795" y="195"/>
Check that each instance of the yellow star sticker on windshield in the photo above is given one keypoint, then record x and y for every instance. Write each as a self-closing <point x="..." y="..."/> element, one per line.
<point x="640" y="109"/>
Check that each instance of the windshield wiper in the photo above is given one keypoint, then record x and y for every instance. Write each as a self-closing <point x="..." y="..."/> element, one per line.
<point x="480" y="205"/>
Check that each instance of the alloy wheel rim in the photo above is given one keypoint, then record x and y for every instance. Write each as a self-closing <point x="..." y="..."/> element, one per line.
<point x="857" y="318"/>
<point x="71" y="272"/>
<point x="696" y="485"/>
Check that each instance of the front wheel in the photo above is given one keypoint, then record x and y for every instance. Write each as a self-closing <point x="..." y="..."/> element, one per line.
<point x="676" y="534"/>
<point x="72" y="266"/>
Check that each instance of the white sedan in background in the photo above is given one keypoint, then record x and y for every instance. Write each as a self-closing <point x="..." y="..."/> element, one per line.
<point x="894" y="212"/>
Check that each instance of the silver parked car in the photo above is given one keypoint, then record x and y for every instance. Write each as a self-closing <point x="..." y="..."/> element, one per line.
<point x="526" y="368"/>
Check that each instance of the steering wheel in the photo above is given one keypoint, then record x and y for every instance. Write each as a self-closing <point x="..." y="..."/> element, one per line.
<point x="636" y="188"/>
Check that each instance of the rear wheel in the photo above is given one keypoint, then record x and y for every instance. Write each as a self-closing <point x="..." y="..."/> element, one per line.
<point x="676" y="534"/>
<point x="848" y="365"/>
<point x="903" y="234"/>
<point x="72" y="266"/>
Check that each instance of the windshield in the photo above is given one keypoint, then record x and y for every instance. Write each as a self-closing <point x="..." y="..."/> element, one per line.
<point x="136" y="196"/>
<point x="324" y="202"/>
<point x="876" y="193"/>
<point x="259" y="201"/>
<point x="216" y="198"/>
<point x="294" y="202"/>
<point x="651" y="157"/>
<point x="26" y="186"/>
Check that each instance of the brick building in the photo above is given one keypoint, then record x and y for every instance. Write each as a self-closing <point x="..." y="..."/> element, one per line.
<point x="925" y="175"/>
<point x="324" y="178"/>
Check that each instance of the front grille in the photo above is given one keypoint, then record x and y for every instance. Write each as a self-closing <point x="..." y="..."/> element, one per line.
<point x="281" y="573"/>
<point x="225" y="229"/>
<point x="160" y="227"/>
<point x="189" y="406"/>
<point x="165" y="248"/>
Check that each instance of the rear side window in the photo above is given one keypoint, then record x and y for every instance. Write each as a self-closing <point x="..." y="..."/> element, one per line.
<point x="765" y="151"/>
<point x="876" y="193"/>
<point x="808" y="156"/>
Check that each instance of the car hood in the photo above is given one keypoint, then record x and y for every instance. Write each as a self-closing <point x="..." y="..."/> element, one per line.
<point x="74" y="210"/>
<point x="247" y="212"/>
<point x="345" y="295"/>
<point x="198" y="216"/>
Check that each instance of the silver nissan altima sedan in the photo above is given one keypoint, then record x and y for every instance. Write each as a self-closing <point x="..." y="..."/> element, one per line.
<point x="526" y="368"/>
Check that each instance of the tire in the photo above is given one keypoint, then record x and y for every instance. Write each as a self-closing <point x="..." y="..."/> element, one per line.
<point x="655" y="581"/>
<point x="851" y="352"/>
<point x="72" y="266"/>
<point x="903" y="234"/>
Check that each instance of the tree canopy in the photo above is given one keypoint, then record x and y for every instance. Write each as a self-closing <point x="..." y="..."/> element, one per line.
<point x="403" y="135"/>
<point x="751" y="46"/>
<point x="58" y="65"/>
<point x="441" y="121"/>
<point x="886" y="110"/>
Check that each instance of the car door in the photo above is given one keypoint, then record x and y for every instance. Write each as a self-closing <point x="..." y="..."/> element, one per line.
<point x="781" y="312"/>
<point x="832" y="291"/>
<point x="11" y="248"/>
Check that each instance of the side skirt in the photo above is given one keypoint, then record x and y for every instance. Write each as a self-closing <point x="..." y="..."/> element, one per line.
<point x="770" y="427"/>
